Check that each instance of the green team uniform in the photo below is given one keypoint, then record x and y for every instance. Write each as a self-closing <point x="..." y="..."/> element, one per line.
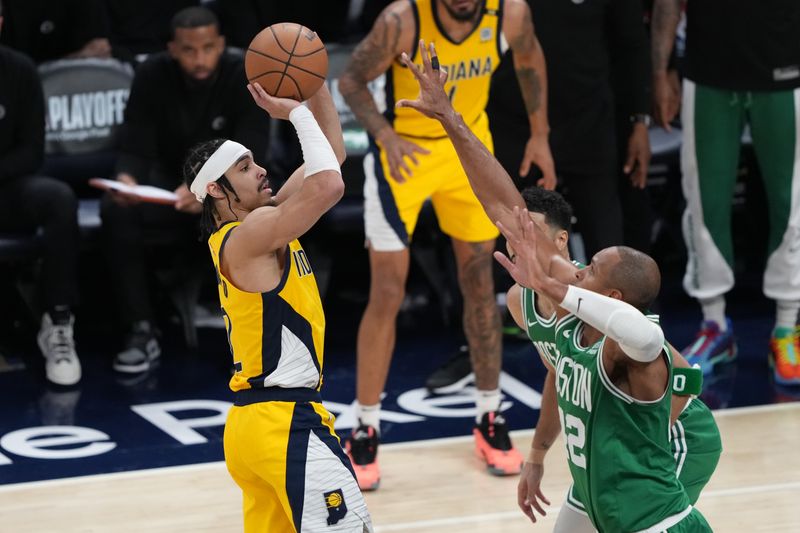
<point x="633" y="502"/>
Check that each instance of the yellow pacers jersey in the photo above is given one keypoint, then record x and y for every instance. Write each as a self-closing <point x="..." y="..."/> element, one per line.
<point x="276" y="337"/>
<point x="470" y="64"/>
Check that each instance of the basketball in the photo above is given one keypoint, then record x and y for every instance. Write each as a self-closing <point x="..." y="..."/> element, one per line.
<point x="288" y="60"/>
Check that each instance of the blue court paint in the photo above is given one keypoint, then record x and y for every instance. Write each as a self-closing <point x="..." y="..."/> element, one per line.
<point x="174" y="414"/>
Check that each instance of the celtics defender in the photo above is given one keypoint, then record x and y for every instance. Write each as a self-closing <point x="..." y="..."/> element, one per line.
<point x="613" y="383"/>
<point x="280" y="446"/>
<point x="648" y="380"/>
<point x="694" y="436"/>
<point x="411" y="160"/>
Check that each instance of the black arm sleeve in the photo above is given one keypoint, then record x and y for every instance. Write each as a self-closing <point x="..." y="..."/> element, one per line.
<point x="26" y="154"/>
<point x="630" y="56"/>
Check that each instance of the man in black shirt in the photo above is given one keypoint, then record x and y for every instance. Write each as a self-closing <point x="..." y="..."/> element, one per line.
<point x="195" y="92"/>
<point x="47" y="30"/>
<point x="28" y="201"/>
<point x="742" y="67"/>
<point x="580" y="39"/>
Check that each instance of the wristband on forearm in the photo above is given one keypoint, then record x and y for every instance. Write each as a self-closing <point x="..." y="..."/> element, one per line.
<point x="317" y="152"/>
<point x="687" y="381"/>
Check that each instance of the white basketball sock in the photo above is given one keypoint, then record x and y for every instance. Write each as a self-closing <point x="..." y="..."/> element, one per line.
<point x="714" y="309"/>
<point x="486" y="401"/>
<point x="786" y="313"/>
<point x="369" y="415"/>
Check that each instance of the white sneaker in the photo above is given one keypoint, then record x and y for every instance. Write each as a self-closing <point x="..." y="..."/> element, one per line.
<point x="57" y="344"/>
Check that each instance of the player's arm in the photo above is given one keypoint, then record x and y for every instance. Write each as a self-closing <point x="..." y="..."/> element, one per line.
<point x="530" y="67"/>
<point x="663" y="26"/>
<point x="529" y="488"/>
<point x="267" y="229"/>
<point x="392" y="33"/>
<point x="324" y="110"/>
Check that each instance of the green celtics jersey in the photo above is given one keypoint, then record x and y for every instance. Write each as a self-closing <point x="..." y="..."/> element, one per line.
<point x="541" y="330"/>
<point x="618" y="448"/>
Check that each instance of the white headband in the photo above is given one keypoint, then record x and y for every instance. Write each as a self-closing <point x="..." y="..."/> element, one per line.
<point x="215" y="167"/>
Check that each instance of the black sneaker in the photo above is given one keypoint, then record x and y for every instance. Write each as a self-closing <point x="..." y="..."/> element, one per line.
<point x="141" y="350"/>
<point x="493" y="444"/>
<point x="362" y="448"/>
<point x="453" y="376"/>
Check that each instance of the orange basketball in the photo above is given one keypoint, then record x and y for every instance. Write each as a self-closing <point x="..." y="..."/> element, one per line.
<point x="288" y="60"/>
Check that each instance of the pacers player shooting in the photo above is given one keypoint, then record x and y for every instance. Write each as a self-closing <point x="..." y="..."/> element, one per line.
<point x="411" y="160"/>
<point x="280" y="446"/>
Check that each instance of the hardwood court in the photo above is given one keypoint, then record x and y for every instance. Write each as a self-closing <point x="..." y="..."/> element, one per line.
<point x="427" y="486"/>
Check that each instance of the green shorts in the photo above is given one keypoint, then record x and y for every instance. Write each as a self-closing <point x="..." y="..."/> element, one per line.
<point x="694" y="523"/>
<point x="697" y="447"/>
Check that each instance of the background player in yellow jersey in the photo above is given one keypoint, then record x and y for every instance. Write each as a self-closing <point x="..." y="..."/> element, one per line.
<point x="280" y="446"/>
<point x="411" y="160"/>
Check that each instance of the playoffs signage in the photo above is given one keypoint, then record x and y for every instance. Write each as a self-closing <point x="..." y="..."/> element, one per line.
<point x="84" y="103"/>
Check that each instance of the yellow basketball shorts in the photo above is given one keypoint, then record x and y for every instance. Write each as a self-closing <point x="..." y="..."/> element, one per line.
<point x="391" y="209"/>
<point x="294" y="475"/>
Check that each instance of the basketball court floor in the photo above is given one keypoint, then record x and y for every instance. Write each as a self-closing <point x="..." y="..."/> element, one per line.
<point x="143" y="453"/>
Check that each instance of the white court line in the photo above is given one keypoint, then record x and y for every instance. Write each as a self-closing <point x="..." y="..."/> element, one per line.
<point x="513" y="515"/>
<point x="200" y="467"/>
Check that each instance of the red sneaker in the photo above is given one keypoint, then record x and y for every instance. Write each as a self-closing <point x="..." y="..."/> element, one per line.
<point x="362" y="447"/>
<point x="493" y="445"/>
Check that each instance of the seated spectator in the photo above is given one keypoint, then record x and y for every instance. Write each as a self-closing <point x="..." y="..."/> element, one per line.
<point x="192" y="93"/>
<point x="29" y="201"/>
<point x="47" y="30"/>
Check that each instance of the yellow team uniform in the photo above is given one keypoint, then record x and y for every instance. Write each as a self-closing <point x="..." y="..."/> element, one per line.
<point x="391" y="208"/>
<point x="280" y="446"/>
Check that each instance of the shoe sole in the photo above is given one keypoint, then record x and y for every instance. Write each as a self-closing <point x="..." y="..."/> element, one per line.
<point x="787" y="382"/>
<point x="370" y="488"/>
<point x="456" y="386"/>
<point x="494" y="470"/>
<point x="136" y="369"/>
<point x="51" y="379"/>
<point x="63" y="383"/>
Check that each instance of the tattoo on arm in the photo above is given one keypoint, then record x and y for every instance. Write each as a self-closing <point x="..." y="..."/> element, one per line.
<point x="666" y="15"/>
<point x="531" y="87"/>
<point x="523" y="45"/>
<point x="368" y="56"/>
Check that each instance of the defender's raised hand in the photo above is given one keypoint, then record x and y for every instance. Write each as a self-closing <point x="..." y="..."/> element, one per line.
<point x="432" y="101"/>
<point x="523" y="265"/>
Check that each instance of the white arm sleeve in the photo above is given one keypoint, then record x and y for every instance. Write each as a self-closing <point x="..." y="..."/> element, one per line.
<point x="640" y="339"/>
<point x="317" y="152"/>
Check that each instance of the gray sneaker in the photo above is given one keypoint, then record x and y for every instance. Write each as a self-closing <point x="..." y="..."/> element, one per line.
<point x="141" y="350"/>
<point x="57" y="344"/>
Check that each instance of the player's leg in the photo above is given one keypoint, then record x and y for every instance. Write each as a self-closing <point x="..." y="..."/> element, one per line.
<point x="573" y="518"/>
<point x="31" y="202"/>
<point x="713" y="120"/>
<point x="774" y="124"/>
<point x="462" y="218"/>
<point x="697" y="447"/>
<point x="570" y="520"/>
<point x="390" y="214"/>
<point x="331" y="498"/>
<point x="255" y="441"/>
